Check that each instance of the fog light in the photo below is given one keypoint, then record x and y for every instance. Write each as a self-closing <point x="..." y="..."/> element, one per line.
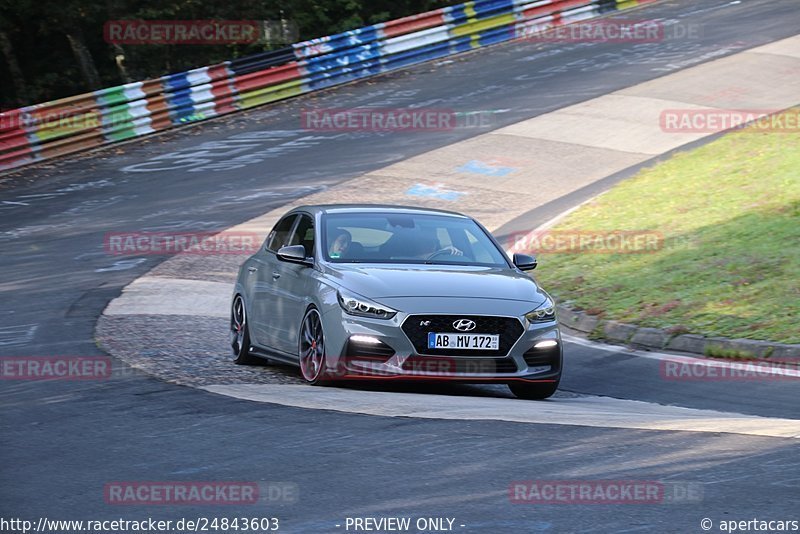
<point x="546" y="344"/>
<point x="369" y="340"/>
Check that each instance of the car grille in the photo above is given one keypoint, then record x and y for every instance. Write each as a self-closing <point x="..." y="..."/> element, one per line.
<point x="509" y="329"/>
<point x="449" y="366"/>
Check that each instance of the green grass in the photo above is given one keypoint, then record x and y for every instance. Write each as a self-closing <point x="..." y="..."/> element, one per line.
<point x="730" y="265"/>
<point x="728" y="354"/>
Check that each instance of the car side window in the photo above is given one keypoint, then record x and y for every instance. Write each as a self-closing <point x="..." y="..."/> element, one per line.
<point x="279" y="237"/>
<point x="304" y="235"/>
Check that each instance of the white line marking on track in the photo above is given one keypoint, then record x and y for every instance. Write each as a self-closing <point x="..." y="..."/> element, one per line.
<point x="601" y="412"/>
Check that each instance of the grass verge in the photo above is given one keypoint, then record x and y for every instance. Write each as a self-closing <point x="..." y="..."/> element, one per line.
<point x="729" y="261"/>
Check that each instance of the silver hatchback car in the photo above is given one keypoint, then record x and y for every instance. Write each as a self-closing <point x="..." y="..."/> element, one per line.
<point x="351" y="292"/>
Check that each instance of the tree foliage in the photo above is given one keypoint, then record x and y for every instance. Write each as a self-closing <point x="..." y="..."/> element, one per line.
<point x="51" y="41"/>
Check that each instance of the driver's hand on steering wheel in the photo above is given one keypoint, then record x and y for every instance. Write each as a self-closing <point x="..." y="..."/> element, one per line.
<point x="452" y="250"/>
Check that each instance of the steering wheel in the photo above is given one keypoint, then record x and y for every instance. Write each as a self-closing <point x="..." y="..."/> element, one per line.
<point x="440" y="252"/>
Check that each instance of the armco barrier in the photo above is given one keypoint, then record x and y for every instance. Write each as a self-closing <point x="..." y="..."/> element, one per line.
<point x="77" y="123"/>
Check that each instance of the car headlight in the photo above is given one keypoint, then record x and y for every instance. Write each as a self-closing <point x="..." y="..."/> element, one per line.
<point x="546" y="312"/>
<point x="363" y="307"/>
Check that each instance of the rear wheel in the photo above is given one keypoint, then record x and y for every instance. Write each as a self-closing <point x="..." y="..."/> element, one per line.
<point x="312" y="349"/>
<point x="240" y="334"/>
<point x="533" y="390"/>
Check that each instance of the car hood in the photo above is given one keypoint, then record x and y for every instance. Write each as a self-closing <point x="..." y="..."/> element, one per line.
<point x="438" y="281"/>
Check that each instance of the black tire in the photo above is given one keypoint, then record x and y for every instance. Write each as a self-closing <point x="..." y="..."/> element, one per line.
<point x="240" y="334"/>
<point x="311" y="349"/>
<point x="533" y="390"/>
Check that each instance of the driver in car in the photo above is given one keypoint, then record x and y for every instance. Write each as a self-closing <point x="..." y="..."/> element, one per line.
<point x="428" y="246"/>
<point x="340" y="244"/>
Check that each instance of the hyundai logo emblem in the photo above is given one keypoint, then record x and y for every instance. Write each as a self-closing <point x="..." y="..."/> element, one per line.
<point x="464" y="325"/>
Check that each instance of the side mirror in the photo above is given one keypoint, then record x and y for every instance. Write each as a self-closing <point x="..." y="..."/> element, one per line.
<point x="525" y="262"/>
<point x="294" y="254"/>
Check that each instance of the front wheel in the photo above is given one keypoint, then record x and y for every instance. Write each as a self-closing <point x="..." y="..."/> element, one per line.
<point x="312" y="349"/>
<point x="533" y="390"/>
<point x="240" y="334"/>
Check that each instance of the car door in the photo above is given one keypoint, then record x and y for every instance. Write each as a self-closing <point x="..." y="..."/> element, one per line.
<point x="291" y="282"/>
<point x="264" y="307"/>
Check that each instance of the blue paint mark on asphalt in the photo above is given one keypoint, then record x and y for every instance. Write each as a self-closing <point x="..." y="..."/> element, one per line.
<point x="487" y="169"/>
<point x="434" y="191"/>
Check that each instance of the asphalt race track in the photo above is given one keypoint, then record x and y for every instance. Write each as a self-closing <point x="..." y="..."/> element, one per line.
<point x="62" y="442"/>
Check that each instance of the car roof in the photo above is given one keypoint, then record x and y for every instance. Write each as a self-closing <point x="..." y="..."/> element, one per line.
<point x="375" y="208"/>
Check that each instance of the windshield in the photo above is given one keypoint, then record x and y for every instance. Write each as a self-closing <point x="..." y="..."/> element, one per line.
<point x="408" y="238"/>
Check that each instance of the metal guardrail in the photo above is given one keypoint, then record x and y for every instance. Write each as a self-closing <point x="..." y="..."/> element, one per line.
<point x="43" y="131"/>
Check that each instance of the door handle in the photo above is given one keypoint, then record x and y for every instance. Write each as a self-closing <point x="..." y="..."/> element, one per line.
<point x="252" y="269"/>
<point x="275" y="276"/>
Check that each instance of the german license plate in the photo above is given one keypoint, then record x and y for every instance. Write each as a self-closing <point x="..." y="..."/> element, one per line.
<point x="463" y="341"/>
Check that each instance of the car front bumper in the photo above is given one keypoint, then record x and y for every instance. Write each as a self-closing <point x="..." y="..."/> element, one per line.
<point x="365" y="348"/>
